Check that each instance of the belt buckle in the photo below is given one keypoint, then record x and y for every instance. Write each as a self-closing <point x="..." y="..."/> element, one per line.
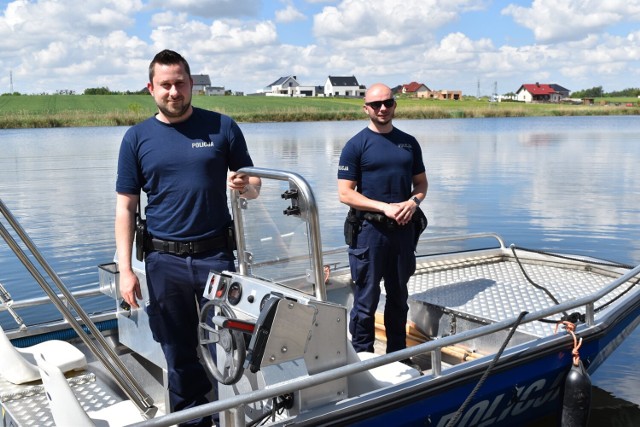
<point x="185" y="248"/>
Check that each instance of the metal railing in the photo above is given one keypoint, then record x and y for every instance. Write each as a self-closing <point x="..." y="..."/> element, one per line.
<point x="435" y="347"/>
<point x="311" y="213"/>
<point x="98" y="346"/>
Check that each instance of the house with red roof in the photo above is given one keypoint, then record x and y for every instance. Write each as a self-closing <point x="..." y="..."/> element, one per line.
<point x="538" y="92"/>
<point x="416" y="89"/>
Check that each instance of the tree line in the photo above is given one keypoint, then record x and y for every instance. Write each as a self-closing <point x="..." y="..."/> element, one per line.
<point x="106" y="91"/>
<point x="598" y="92"/>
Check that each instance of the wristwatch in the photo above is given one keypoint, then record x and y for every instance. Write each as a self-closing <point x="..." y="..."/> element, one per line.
<point x="416" y="200"/>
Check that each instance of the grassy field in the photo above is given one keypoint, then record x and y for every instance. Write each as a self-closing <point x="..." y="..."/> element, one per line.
<point x="37" y="111"/>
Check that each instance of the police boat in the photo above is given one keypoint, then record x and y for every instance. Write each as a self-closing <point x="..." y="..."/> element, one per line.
<point x="497" y="335"/>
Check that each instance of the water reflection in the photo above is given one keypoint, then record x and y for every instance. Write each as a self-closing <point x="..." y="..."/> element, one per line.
<point x="561" y="184"/>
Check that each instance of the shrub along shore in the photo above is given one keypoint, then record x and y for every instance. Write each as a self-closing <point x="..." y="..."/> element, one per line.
<point x="46" y="111"/>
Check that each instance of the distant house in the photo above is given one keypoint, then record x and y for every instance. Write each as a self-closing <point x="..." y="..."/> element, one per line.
<point x="416" y="89"/>
<point x="456" y="95"/>
<point x="283" y="86"/>
<point x="289" y="86"/>
<point x="396" y="90"/>
<point x="343" y="86"/>
<point x="564" y="93"/>
<point x="215" y="91"/>
<point x="200" y="83"/>
<point x="538" y="92"/>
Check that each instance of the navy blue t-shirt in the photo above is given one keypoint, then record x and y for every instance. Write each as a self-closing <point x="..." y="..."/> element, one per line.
<point x="383" y="165"/>
<point x="183" y="169"/>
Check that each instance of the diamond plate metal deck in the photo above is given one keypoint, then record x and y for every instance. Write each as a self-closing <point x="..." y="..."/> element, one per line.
<point x="27" y="405"/>
<point x="496" y="289"/>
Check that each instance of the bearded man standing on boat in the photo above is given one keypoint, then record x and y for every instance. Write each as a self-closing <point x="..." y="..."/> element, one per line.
<point x="381" y="177"/>
<point x="180" y="158"/>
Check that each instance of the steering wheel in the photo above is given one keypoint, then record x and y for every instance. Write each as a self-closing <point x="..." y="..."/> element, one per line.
<point x="213" y="336"/>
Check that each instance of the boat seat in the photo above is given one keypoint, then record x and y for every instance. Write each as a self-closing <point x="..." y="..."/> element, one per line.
<point x="19" y="365"/>
<point x="376" y="378"/>
<point x="67" y="410"/>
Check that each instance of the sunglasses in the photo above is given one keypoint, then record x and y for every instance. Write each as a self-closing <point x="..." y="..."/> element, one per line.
<point x="388" y="103"/>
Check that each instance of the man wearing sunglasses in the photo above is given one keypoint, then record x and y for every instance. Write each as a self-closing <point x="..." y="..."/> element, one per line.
<point x="381" y="177"/>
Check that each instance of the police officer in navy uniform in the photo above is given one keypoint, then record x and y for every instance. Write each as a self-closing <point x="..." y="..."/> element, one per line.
<point x="181" y="158"/>
<point x="382" y="176"/>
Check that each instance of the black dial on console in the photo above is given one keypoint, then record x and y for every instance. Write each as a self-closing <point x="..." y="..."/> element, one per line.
<point x="235" y="293"/>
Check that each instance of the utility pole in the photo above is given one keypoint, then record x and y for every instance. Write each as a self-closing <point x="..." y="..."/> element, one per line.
<point x="478" y="94"/>
<point x="11" y="81"/>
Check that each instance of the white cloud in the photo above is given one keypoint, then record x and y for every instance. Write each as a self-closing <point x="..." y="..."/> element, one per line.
<point x="167" y="19"/>
<point x="29" y="23"/>
<point x="211" y="8"/>
<point x="289" y="14"/>
<point x="219" y="37"/>
<point x="361" y="23"/>
<point x="58" y="44"/>
<point x="562" y="20"/>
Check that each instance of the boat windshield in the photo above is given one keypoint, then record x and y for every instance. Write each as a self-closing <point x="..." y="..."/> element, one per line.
<point x="276" y="234"/>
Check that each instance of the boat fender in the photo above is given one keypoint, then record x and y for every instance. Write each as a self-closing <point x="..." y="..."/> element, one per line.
<point x="576" y="401"/>
<point x="577" y="397"/>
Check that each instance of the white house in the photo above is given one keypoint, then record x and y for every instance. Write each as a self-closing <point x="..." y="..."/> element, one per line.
<point x="289" y="86"/>
<point x="541" y="93"/>
<point x="343" y="86"/>
<point x="200" y="83"/>
<point x="214" y="91"/>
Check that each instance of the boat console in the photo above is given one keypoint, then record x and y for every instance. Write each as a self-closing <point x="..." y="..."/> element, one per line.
<point x="286" y="335"/>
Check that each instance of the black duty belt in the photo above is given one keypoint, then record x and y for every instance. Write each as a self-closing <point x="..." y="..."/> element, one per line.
<point x="380" y="219"/>
<point x="186" y="248"/>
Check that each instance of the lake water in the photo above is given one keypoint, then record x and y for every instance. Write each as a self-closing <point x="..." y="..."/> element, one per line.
<point x="565" y="184"/>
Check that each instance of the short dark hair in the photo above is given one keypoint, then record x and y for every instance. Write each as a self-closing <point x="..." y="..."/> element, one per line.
<point x="168" y="57"/>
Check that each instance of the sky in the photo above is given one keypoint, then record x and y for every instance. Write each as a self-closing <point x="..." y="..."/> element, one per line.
<point x="476" y="46"/>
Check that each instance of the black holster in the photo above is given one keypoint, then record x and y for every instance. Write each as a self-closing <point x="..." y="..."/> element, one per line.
<point x="419" y="220"/>
<point x="141" y="236"/>
<point x="352" y="225"/>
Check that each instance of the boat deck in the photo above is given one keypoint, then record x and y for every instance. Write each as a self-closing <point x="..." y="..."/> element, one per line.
<point x="491" y="289"/>
<point x="27" y="404"/>
<point x="479" y="289"/>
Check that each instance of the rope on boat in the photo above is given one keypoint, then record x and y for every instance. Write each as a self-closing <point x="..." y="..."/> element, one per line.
<point x="486" y="373"/>
<point x="620" y="295"/>
<point x="604" y="263"/>
<point x="573" y="317"/>
<point x="542" y="288"/>
<point x="570" y="328"/>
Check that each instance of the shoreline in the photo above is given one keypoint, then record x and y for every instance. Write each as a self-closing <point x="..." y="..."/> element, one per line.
<point x="54" y="111"/>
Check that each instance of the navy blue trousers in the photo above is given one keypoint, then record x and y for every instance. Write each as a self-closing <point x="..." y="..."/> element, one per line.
<point x="175" y="284"/>
<point x="381" y="253"/>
